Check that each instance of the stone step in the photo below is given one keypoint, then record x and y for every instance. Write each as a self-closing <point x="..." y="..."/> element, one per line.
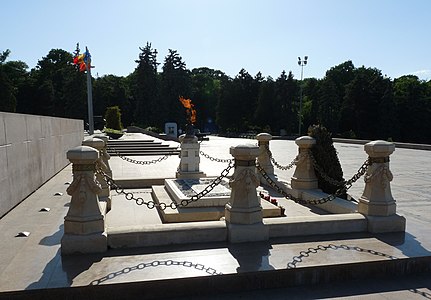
<point x="140" y="148"/>
<point x="137" y="145"/>
<point x="116" y="142"/>
<point x="155" y="152"/>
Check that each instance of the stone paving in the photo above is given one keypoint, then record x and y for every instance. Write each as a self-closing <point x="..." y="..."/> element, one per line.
<point x="34" y="262"/>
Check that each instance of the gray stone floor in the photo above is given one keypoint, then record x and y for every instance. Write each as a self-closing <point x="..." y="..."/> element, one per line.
<point x="34" y="262"/>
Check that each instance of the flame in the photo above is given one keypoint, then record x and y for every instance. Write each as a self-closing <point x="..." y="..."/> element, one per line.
<point x="191" y="112"/>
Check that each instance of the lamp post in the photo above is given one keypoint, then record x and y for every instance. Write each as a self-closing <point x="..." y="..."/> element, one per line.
<point x="302" y="63"/>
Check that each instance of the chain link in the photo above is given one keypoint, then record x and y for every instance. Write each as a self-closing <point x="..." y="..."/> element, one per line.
<point x="348" y="184"/>
<point x="157" y="263"/>
<point x="322" y="173"/>
<point x="214" y="158"/>
<point x="140" y="162"/>
<point x="287" y="167"/>
<point x="298" y="258"/>
<point x="152" y="204"/>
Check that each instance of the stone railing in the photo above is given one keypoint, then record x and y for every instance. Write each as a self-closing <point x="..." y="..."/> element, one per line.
<point x="376" y="202"/>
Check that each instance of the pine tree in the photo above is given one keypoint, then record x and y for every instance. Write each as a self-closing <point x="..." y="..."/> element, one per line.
<point x="175" y="82"/>
<point x="145" y="88"/>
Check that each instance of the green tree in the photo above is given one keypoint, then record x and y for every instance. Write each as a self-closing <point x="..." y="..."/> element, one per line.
<point x="145" y="88"/>
<point x="332" y="93"/>
<point x="413" y="102"/>
<point x="264" y="109"/>
<point x="111" y="90"/>
<point x="206" y="90"/>
<point x="286" y="100"/>
<point x="362" y="102"/>
<point x="175" y="82"/>
<point x="60" y="90"/>
<point x="13" y="74"/>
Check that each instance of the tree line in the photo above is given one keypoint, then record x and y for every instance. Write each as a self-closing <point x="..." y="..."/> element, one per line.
<point x="352" y="102"/>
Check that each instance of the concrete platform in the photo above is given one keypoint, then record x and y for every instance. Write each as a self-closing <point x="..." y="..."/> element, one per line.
<point x="342" y="266"/>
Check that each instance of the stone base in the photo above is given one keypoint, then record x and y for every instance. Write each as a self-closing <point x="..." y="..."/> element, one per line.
<point x="381" y="209"/>
<point x="247" y="216"/>
<point x="184" y="189"/>
<point x="394" y="223"/>
<point x="190" y="175"/>
<point x="90" y="243"/>
<point x="239" y="233"/>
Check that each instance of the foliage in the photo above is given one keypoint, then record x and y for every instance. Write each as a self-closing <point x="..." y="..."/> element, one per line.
<point x="326" y="157"/>
<point x="348" y="101"/>
<point x="113" y="118"/>
<point x="145" y="88"/>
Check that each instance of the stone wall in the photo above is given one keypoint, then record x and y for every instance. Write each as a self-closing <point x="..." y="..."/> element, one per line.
<point x="32" y="150"/>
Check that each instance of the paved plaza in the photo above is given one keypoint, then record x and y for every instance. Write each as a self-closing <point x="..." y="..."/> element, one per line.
<point x="276" y="269"/>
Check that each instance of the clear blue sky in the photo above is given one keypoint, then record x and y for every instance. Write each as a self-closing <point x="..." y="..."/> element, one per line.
<point x="265" y="35"/>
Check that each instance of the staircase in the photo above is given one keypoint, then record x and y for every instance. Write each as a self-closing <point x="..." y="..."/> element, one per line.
<point x="140" y="148"/>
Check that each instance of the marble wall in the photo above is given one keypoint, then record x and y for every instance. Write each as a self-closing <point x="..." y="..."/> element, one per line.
<point x="32" y="150"/>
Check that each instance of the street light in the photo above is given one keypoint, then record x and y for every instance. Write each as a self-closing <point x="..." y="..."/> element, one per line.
<point x="302" y="63"/>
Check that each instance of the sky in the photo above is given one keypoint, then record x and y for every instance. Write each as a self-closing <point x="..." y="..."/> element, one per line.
<point x="228" y="35"/>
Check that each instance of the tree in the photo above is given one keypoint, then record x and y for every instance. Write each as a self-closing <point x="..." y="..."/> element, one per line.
<point x="145" y="88"/>
<point x="175" y="82"/>
<point x="332" y="92"/>
<point x="7" y="97"/>
<point x="206" y="90"/>
<point x="362" y="102"/>
<point x="286" y="96"/>
<point x="413" y="102"/>
<point x="265" y="105"/>
<point x="111" y="90"/>
<point x="59" y="89"/>
<point x="12" y="76"/>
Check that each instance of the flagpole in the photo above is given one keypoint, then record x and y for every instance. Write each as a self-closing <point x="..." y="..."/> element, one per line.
<point x="90" y="100"/>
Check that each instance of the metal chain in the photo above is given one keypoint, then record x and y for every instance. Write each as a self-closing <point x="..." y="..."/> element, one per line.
<point x="338" y="192"/>
<point x="322" y="173"/>
<point x="215" y="159"/>
<point x="140" y="162"/>
<point x="156" y="263"/>
<point x="298" y="258"/>
<point x="277" y="188"/>
<point x="151" y="204"/>
<point x="287" y="167"/>
<point x="210" y="187"/>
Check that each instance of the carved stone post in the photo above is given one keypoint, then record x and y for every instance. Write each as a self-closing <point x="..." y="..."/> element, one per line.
<point x="243" y="212"/>
<point x="84" y="224"/>
<point x="189" y="158"/>
<point x="304" y="176"/>
<point x="263" y="158"/>
<point x="376" y="201"/>
<point x="99" y="145"/>
<point x="104" y="155"/>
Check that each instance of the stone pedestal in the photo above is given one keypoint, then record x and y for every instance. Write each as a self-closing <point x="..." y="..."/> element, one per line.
<point x="304" y="176"/>
<point x="243" y="212"/>
<point x="189" y="158"/>
<point x="100" y="145"/>
<point x="84" y="224"/>
<point x="104" y="155"/>
<point x="376" y="201"/>
<point x="263" y="158"/>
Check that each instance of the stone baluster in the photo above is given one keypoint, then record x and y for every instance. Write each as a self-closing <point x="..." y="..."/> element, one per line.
<point x="304" y="176"/>
<point x="243" y="212"/>
<point x="104" y="155"/>
<point x="84" y="224"/>
<point x="99" y="145"/>
<point x="376" y="201"/>
<point x="263" y="158"/>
